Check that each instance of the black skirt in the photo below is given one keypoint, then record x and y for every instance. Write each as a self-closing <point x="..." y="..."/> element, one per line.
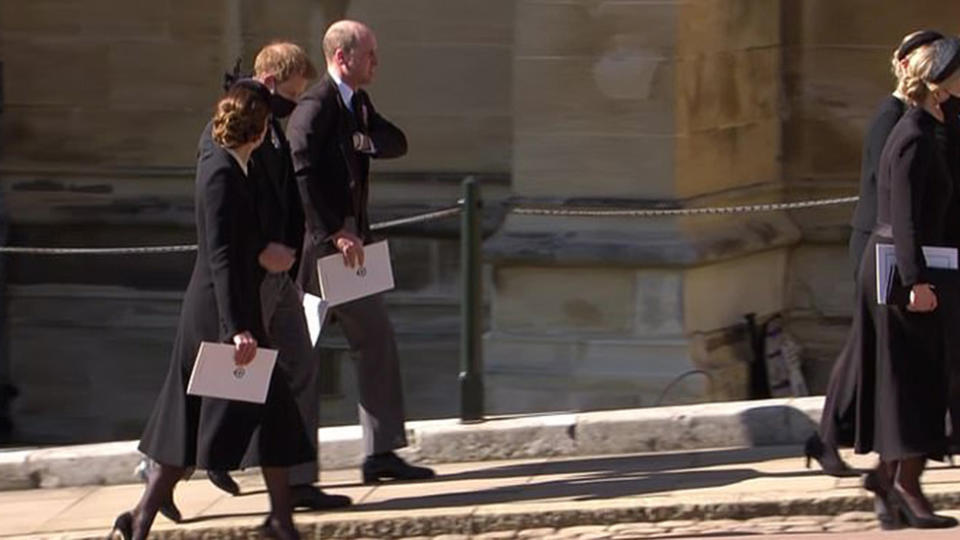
<point x="899" y="407"/>
<point x="218" y="434"/>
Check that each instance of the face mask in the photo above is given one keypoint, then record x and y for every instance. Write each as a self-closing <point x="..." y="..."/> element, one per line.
<point x="951" y="109"/>
<point x="280" y="106"/>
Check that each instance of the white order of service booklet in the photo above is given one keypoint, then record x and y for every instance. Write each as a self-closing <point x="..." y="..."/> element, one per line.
<point x="936" y="257"/>
<point x="340" y="283"/>
<point x="215" y="374"/>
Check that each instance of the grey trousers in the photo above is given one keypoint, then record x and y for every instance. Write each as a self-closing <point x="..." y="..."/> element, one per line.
<point x="286" y="326"/>
<point x="374" y="347"/>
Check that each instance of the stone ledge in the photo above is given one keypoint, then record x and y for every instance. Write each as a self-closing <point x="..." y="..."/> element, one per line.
<point x="688" y="427"/>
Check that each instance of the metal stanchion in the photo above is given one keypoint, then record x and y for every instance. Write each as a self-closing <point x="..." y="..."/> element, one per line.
<point x="471" y="312"/>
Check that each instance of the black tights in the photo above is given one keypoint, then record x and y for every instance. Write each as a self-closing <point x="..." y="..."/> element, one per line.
<point x="163" y="478"/>
<point x="903" y="475"/>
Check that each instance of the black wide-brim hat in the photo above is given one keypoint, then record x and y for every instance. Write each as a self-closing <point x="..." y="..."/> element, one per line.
<point x="946" y="59"/>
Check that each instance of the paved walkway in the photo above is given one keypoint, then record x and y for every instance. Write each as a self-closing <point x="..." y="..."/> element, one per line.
<point x="710" y="492"/>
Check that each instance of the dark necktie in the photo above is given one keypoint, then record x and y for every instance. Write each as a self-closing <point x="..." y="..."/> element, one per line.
<point x="356" y="103"/>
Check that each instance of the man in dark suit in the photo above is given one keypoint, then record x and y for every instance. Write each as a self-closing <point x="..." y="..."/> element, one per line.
<point x="333" y="133"/>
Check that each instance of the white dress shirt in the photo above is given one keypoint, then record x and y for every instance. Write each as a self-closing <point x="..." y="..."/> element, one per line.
<point x="345" y="91"/>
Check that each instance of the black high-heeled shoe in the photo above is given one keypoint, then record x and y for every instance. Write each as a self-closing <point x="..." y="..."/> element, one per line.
<point x="828" y="458"/>
<point x="123" y="525"/>
<point x="897" y="502"/>
<point x="889" y="520"/>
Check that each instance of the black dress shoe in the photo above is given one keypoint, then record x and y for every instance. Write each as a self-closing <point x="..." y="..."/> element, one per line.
<point x="170" y="511"/>
<point x="268" y="529"/>
<point x="389" y="465"/>
<point x="222" y="480"/>
<point x="314" y="498"/>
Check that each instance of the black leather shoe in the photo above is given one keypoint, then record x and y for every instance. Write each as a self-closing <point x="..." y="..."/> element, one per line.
<point x="314" y="498"/>
<point x="170" y="511"/>
<point x="269" y="529"/>
<point x="389" y="465"/>
<point x="222" y="480"/>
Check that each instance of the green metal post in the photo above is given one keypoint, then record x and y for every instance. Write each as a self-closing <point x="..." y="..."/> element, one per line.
<point x="471" y="311"/>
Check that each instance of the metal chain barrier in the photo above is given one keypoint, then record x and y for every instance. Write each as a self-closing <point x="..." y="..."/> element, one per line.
<point x="421" y="218"/>
<point x="715" y="210"/>
<point x="151" y="250"/>
<point x="456" y="210"/>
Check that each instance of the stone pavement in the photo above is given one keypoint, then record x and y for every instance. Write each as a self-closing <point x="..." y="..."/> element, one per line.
<point x="729" y="491"/>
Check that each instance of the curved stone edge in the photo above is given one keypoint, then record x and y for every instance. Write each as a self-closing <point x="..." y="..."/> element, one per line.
<point x="688" y="427"/>
<point x="539" y="516"/>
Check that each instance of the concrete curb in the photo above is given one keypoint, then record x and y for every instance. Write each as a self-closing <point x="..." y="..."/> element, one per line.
<point x="689" y="427"/>
<point x="557" y="515"/>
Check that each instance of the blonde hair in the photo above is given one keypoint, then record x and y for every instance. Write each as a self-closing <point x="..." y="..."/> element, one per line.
<point x="913" y="74"/>
<point x="240" y="117"/>
<point x="284" y="60"/>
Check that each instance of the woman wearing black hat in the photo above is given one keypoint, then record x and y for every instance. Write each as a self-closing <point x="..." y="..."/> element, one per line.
<point x="222" y="304"/>
<point x="839" y="411"/>
<point x="903" y="403"/>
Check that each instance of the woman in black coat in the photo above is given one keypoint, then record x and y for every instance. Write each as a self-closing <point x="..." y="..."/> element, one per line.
<point x="837" y="419"/>
<point x="902" y="400"/>
<point x="222" y="304"/>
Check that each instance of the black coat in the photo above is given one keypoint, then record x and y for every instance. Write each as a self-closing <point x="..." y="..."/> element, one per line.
<point x="902" y="392"/>
<point x="274" y="188"/>
<point x="886" y="117"/>
<point x="223" y="299"/>
<point x="332" y="177"/>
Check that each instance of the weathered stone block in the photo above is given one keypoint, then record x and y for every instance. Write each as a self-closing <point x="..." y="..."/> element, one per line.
<point x="821" y="280"/>
<point x="623" y="95"/>
<point x="187" y="20"/>
<point x="705" y="26"/>
<point x="731" y="289"/>
<point x="516" y="439"/>
<point x="728" y="157"/>
<point x="593" y="165"/>
<point x="93" y="19"/>
<point x="589" y="28"/>
<point x="30" y="78"/>
<point x="822" y="149"/>
<point x="728" y="89"/>
<point x="486" y="22"/>
<point x="458" y="143"/>
<point x="820" y="22"/>
<point x="559" y="300"/>
<point x="101" y="136"/>
<point x="193" y="75"/>
<point x="460" y="79"/>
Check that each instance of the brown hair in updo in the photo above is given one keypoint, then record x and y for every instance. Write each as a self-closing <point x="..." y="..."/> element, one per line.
<point x="240" y="117"/>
